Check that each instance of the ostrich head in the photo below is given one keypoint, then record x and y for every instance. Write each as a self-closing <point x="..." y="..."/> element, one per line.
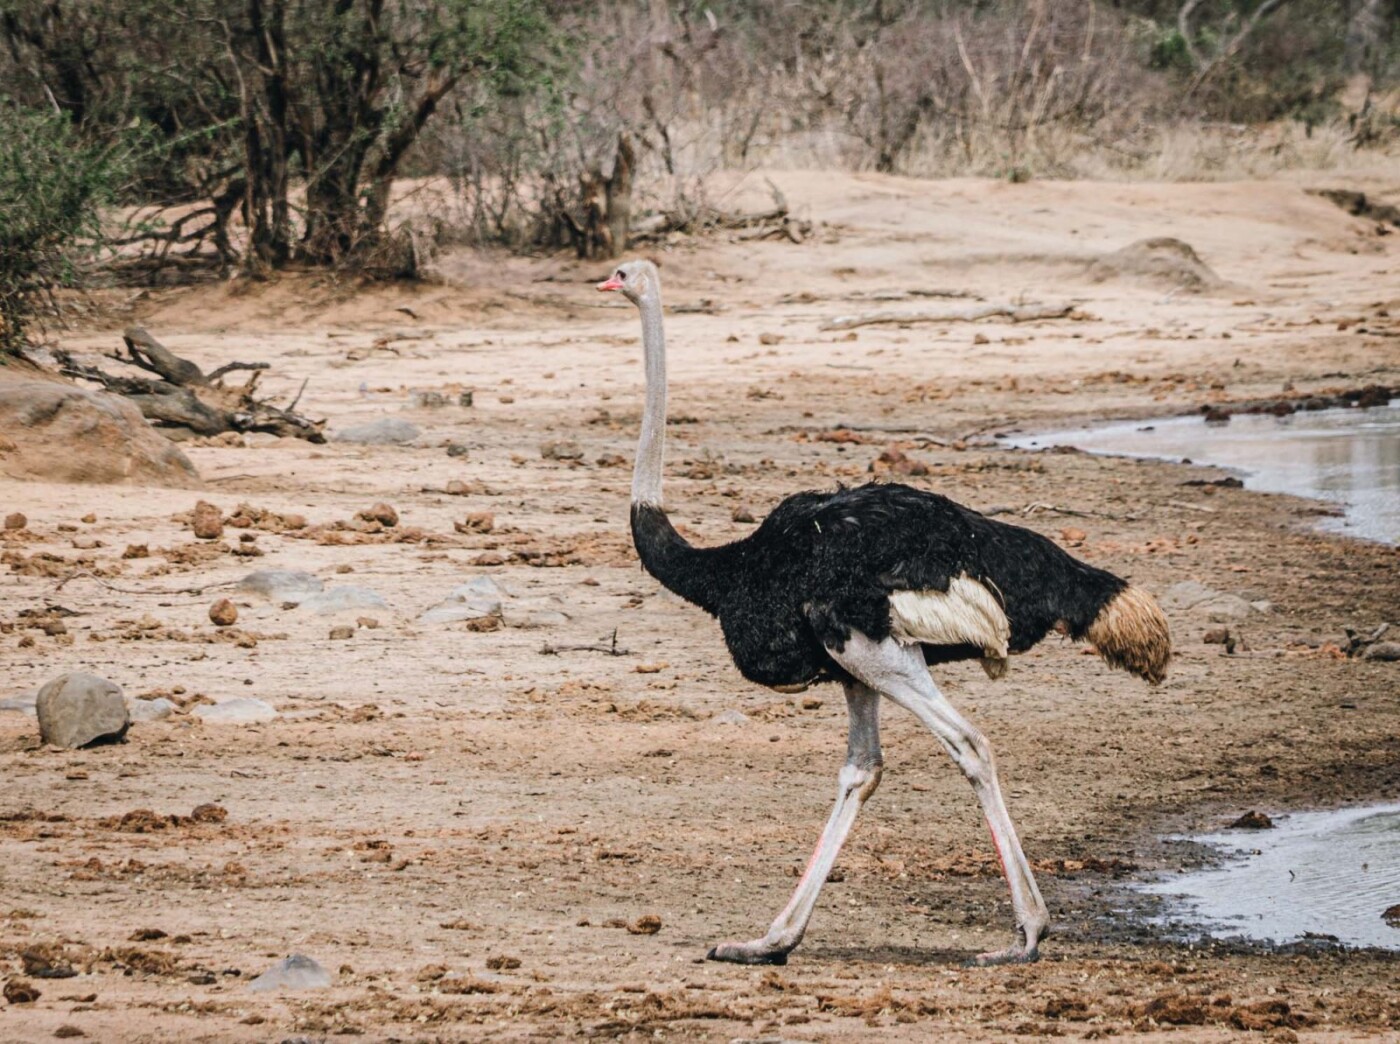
<point x="636" y="280"/>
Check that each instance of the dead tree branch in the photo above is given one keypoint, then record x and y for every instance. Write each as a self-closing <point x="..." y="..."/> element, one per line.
<point x="183" y="398"/>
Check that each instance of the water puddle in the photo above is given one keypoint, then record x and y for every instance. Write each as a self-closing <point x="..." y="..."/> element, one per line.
<point x="1348" y="456"/>
<point x="1328" y="874"/>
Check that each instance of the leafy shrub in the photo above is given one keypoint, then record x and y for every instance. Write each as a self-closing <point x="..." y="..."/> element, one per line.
<point x="51" y="188"/>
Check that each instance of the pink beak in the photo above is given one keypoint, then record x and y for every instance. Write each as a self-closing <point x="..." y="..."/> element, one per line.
<point x="612" y="283"/>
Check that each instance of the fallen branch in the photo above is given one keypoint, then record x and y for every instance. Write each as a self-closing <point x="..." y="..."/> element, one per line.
<point x="183" y="397"/>
<point x="1015" y="313"/>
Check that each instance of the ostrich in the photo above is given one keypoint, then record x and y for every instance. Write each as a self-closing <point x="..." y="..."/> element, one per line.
<point x="869" y="586"/>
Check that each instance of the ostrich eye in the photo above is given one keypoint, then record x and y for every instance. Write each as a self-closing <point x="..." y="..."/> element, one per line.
<point x="622" y="275"/>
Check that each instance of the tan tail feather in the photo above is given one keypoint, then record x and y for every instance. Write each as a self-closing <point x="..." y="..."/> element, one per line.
<point x="1130" y="632"/>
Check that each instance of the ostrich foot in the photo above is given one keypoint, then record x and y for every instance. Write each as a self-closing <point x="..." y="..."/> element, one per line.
<point x="760" y="951"/>
<point x="1027" y="951"/>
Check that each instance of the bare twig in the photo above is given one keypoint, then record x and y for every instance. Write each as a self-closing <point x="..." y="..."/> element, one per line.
<point x="138" y="591"/>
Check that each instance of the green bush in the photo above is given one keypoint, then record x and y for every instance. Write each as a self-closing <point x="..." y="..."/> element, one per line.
<point x="51" y="188"/>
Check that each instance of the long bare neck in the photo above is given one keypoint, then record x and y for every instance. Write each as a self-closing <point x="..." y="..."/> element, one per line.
<point x="696" y="574"/>
<point x="651" y="447"/>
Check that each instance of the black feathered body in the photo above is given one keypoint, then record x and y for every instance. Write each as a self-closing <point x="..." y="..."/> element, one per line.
<point x="825" y="564"/>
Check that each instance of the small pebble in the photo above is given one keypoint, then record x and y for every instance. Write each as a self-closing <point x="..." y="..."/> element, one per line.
<point x="16" y="520"/>
<point x="223" y="613"/>
<point x="342" y="632"/>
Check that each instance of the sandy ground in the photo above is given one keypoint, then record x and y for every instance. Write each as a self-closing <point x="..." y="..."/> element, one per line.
<point x="461" y="826"/>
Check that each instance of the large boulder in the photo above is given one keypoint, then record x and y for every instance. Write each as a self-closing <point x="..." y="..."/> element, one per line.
<point x="59" y="432"/>
<point x="77" y="709"/>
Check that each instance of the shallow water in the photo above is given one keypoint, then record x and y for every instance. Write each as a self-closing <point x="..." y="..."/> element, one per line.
<point x="1349" y="456"/>
<point x="1324" y="873"/>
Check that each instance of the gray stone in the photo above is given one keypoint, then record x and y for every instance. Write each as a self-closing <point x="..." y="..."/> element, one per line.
<point x="77" y="709"/>
<point x="21" y="704"/>
<point x="480" y="596"/>
<point x="534" y="620"/>
<point x="150" y="710"/>
<point x="282" y="585"/>
<point x="1216" y="606"/>
<point x="241" y="710"/>
<point x="348" y="598"/>
<point x="387" y="431"/>
<point x="296" y="972"/>
<point x="1388" y="652"/>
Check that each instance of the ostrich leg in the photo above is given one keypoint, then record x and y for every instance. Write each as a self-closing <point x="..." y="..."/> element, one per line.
<point x="858" y="779"/>
<point x="900" y="673"/>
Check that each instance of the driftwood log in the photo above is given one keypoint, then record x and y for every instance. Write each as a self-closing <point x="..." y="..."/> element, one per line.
<point x="182" y="398"/>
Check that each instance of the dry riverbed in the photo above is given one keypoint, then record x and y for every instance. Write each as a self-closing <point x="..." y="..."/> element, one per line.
<point x="533" y="824"/>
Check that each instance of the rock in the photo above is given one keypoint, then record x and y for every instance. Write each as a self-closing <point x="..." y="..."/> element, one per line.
<point x="58" y="432"/>
<point x="21" y="704"/>
<point x="348" y="598"/>
<point x="282" y="585"/>
<point x="730" y="717"/>
<point x="387" y="431"/>
<point x="489" y="558"/>
<point x="16" y="520"/>
<point x="1162" y="262"/>
<point x="458" y="450"/>
<point x="476" y="522"/>
<point x="770" y="338"/>
<point x="341" y="633"/>
<point x="647" y="924"/>
<point x="742" y="514"/>
<point x="296" y="972"/>
<point x="1216" y="606"/>
<point x="207" y="521"/>
<point x="1391" y="915"/>
<point x="1217" y="636"/>
<point x="241" y="710"/>
<point x="77" y="709"/>
<point x="479" y="597"/>
<point x="502" y="962"/>
<point x="150" y="710"/>
<point x="223" y="613"/>
<point x="1387" y="652"/>
<point x="21" y="991"/>
<point x="564" y="449"/>
<point x="533" y="617"/>
<point x="1253" y="821"/>
<point x="382" y="513"/>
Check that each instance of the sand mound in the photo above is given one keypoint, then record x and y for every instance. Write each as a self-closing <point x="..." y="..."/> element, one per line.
<point x="1162" y="262"/>
<point x="59" y="432"/>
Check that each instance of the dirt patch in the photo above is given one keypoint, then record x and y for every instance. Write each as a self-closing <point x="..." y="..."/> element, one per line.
<point x="1162" y="262"/>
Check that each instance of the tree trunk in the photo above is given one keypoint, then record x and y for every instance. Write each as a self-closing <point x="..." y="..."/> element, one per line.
<point x="619" y="196"/>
